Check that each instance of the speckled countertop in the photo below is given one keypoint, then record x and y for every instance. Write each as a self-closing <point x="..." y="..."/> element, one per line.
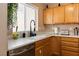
<point x="13" y="44"/>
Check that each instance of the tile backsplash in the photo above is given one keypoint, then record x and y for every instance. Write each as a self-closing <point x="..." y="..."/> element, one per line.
<point x="51" y="28"/>
<point x="65" y="28"/>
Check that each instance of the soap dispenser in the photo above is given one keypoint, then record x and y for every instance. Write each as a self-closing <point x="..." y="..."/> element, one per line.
<point x="24" y="35"/>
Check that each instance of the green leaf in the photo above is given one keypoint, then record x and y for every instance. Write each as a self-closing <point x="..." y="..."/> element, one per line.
<point x="12" y="18"/>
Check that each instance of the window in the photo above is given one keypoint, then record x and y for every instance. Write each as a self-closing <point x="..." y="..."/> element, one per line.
<point x="26" y="13"/>
<point x="20" y="17"/>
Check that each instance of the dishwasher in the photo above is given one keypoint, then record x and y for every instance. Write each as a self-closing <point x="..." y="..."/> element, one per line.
<point x="27" y="50"/>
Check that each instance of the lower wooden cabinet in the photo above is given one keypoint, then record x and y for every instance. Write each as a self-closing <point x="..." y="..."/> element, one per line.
<point x="69" y="53"/>
<point x="47" y="50"/>
<point x="43" y="48"/>
<point x="70" y="44"/>
<point x="56" y="45"/>
<point x="59" y="46"/>
<point x="39" y="51"/>
<point x="69" y="39"/>
<point x="43" y="51"/>
<point x="73" y="49"/>
<point x="69" y="47"/>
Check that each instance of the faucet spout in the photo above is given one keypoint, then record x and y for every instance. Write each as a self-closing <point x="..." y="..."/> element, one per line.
<point x="32" y="33"/>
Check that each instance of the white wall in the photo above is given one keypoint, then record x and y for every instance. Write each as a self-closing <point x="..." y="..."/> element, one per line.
<point x="40" y="16"/>
<point x="3" y="29"/>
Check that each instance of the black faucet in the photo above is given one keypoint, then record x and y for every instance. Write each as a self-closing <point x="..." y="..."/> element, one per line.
<point x="32" y="33"/>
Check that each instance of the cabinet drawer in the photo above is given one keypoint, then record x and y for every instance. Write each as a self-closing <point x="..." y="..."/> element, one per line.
<point x="73" y="49"/>
<point x="69" y="53"/>
<point x="71" y="44"/>
<point x="70" y="39"/>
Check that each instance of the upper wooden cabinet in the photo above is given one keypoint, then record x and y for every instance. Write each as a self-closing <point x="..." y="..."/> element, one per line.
<point x="58" y="15"/>
<point x="68" y="14"/>
<point x="48" y="16"/>
<point x="71" y="13"/>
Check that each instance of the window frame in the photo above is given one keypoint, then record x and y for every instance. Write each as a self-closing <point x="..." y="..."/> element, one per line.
<point x="25" y="16"/>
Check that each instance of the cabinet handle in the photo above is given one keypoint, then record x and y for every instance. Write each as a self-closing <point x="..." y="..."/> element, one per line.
<point x="40" y="51"/>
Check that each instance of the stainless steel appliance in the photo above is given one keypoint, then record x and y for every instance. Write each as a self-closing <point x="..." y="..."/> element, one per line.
<point x="65" y="32"/>
<point x="28" y="50"/>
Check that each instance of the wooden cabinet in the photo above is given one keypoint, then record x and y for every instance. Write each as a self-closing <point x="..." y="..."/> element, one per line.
<point x="65" y="46"/>
<point x="68" y="14"/>
<point x="43" y="50"/>
<point x="43" y="47"/>
<point x="47" y="50"/>
<point x="69" y="46"/>
<point x="69" y="53"/>
<point x="67" y="39"/>
<point x="39" y="51"/>
<point x="56" y="45"/>
<point x="58" y="15"/>
<point x="71" y="13"/>
<point x="48" y="16"/>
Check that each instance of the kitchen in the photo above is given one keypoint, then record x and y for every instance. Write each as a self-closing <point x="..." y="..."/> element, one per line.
<point x="43" y="29"/>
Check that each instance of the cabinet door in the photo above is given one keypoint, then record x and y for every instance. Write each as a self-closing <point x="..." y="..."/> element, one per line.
<point x="48" y="16"/>
<point x="71" y="13"/>
<point x="67" y="39"/>
<point x="69" y="46"/>
<point x="47" y="50"/>
<point x="39" y="51"/>
<point x="58" y="15"/>
<point x="56" y="45"/>
<point x="43" y="47"/>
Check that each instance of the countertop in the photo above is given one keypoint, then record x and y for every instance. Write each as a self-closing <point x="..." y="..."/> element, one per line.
<point x="13" y="44"/>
